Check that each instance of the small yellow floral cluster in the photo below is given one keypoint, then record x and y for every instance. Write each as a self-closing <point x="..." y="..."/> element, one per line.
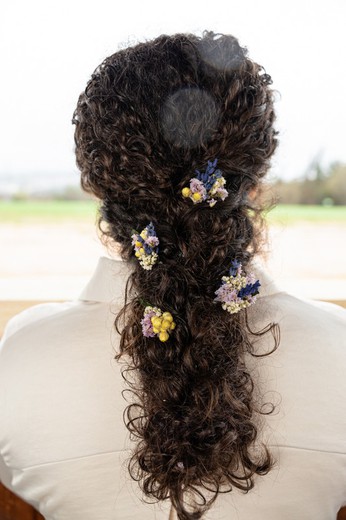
<point x="157" y="322"/>
<point x="236" y="306"/>
<point x="146" y="261"/>
<point x="217" y="191"/>
<point x="237" y="282"/>
<point x="196" y="196"/>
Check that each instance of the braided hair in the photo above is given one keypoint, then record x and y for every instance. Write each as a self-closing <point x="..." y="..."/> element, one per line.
<point x="149" y="117"/>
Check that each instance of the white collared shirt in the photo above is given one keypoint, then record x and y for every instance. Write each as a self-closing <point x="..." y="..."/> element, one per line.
<point x="64" y="447"/>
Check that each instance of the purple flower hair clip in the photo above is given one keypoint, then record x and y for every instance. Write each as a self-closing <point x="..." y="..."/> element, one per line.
<point x="146" y="246"/>
<point x="238" y="290"/>
<point x="207" y="186"/>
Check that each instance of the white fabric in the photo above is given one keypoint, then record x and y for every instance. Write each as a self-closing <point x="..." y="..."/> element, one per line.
<point x="64" y="447"/>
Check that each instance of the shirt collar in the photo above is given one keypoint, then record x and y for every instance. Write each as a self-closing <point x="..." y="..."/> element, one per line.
<point x="268" y="285"/>
<point x="108" y="282"/>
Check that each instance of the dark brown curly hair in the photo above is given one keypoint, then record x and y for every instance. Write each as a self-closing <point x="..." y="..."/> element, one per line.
<point x="150" y="115"/>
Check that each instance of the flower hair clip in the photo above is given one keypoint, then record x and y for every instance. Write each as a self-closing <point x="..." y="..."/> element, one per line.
<point x="207" y="186"/>
<point x="157" y="323"/>
<point x="146" y="246"/>
<point x="237" y="290"/>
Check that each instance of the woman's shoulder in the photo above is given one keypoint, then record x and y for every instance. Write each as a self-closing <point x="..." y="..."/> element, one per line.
<point x="34" y="314"/>
<point x="308" y="327"/>
<point x="57" y="325"/>
<point x="332" y="309"/>
<point x="295" y="314"/>
<point x="318" y="313"/>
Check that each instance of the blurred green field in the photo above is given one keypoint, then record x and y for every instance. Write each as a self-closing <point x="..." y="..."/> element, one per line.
<point x="54" y="211"/>
<point x="297" y="213"/>
<point x="85" y="211"/>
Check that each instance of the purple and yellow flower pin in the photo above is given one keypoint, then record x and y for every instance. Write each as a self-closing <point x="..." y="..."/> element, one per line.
<point x="237" y="290"/>
<point x="207" y="186"/>
<point x="157" y="323"/>
<point x="146" y="246"/>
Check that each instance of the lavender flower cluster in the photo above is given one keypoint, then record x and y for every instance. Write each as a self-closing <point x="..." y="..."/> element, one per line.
<point x="207" y="186"/>
<point x="237" y="290"/>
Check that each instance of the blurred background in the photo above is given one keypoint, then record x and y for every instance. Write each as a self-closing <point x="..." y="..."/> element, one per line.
<point x="49" y="245"/>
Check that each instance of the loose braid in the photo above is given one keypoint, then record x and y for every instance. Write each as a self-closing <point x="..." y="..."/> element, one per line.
<point x="151" y="115"/>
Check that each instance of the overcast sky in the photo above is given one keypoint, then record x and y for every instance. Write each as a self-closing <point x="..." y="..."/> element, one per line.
<point x="50" y="48"/>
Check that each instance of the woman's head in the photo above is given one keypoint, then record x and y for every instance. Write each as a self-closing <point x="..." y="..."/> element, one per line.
<point x="153" y="113"/>
<point x="149" y="117"/>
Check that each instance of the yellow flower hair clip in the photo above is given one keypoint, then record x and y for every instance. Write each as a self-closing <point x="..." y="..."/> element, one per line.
<point x="157" y="323"/>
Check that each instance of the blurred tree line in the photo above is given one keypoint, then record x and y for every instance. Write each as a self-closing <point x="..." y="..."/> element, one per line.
<point x="317" y="186"/>
<point x="65" y="193"/>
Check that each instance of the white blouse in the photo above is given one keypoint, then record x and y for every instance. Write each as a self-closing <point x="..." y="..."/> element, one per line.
<point x="63" y="444"/>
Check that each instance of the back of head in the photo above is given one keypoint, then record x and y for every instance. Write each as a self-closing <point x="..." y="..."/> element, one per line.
<point x="149" y="117"/>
